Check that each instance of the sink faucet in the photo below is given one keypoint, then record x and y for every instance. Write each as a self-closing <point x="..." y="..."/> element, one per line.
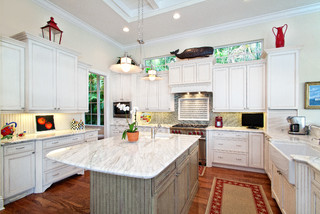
<point x="154" y="131"/>
<point x="316" y="139"/>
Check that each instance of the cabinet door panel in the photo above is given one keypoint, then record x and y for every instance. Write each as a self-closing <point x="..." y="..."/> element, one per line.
<point x="126" y="87"/>
<point x="237" y="85"/>
<point x="11" y="77"/>
<point x="142" y="93"/>
<point x="153" y="97"/>
<point x="19" y="173"/>
<point x="256" y="150"/>
<point x="182" y="185"/>
<point x="165" y="199"/>
<point x="289" y="197"/>
<point x="165" y="98"/>
<point x="66" y="81"/>
<point x="282" y="69"/>
<point x="82" y="91"/>
<point x="315" y="200"/>
<point x="204" y="72"/>
<point x="42" y="77"/>
<point x="220" y="89"/>
<point x="175" y="75"/>
<point x="276" y="186"/>
<point x="188" y="73"/>
<point x="194" y="163"/>
<point x="256" y="87"/>
<point x="116" y="87"/>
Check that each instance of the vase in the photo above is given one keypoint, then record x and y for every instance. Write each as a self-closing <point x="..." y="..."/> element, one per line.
<point x="280" y="35"/>
<point x="133" y="136"/>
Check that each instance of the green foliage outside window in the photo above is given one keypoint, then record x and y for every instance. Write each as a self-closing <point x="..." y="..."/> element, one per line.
<point x="238" y="53"/>
<point x="95" y="116"/>
<point x="159" y="64"/>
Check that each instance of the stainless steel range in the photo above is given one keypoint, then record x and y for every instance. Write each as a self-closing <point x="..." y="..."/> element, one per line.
<point x="193" y="129"/>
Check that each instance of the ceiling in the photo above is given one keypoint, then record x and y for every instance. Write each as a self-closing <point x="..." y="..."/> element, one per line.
<point x="109" y="17"/>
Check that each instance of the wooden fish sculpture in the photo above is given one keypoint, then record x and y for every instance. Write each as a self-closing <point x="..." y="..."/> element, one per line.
<point x="193" y="52"/>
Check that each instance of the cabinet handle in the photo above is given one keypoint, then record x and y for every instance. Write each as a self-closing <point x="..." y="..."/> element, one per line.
<point x="238" y="146"/>
<point x="75" y="138"/>
<point x="22" y="107"/>
<point x="167" y="173"/>
<point x="220" y="157"/>
<point x="58" y="108"/>
<point x="54" y="162"/>
<point x="33" y="152"/>
<point x="56" y="174"/>
<point x="279" y="172"/>
<point x="178" y="173"/>
<point x="20" y="148"/>
<point x="55" y="142"/>
<point x="220" y="144"/>
<point x="238" y="159"/>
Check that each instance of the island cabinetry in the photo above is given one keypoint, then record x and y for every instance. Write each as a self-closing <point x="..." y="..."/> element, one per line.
<point x="239" y="87"/>
<point x="52" y="171"/>
<point x="283" y="89"/>
<point x="168" y="192"/>
<point x="283" y="192"/>
<point x="315" y="192"/>
<point x="19" y="170"/>
<point x="235" y="148"/>
<point x="12" y="69"/>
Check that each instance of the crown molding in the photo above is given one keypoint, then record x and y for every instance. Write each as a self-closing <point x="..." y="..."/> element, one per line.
<point x="312" y="8"/>
<point x="74" y="20"/>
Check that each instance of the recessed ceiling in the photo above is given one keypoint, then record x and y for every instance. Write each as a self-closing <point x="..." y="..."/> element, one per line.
<point x="110" y="16"/>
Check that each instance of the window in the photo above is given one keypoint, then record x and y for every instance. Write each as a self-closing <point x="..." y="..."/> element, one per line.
<point x="95" y="116"/>
<point x="159" y="63"/>
<point x="238" y="53"/>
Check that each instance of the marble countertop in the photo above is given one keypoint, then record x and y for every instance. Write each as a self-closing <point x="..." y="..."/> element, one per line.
<point x="46" y="135"/>
<point x="238" y="129"/>
<point x="145" y="158"/>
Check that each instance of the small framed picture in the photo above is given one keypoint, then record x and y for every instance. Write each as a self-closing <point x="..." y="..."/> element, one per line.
<point x="312" y="95"/>
<point x="44" y="123"/>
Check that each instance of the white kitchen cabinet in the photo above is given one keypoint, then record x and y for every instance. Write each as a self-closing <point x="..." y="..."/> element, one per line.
<point x="267" y="160"/>
<point x="175" y="75"/>
<point x="154" y="95"/>
<point x="203" y="72"/>
<point x="66" y="81"/>
<point x="121" y="87"/>
<point x="19" y="169"/>
<point x="82" y="89"/>
<point x="256" y="150"/>
<point x="283" y="192"/>
<point x="51" y="75"/>
<point x="315" y="192"/>
<point x="189" y="73"/>
<point x="283" y="89"/>
<point x="239" y="87"/>
<point x="12" y="62"/>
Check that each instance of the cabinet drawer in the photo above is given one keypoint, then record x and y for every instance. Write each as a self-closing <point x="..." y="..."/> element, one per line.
<point x="163" y="175"/>
<point x="236" y="146"/>
<point x="235" y="135"/>
<point x="230" y="158"/>
<point x="50" y="164"/>
<point x="55" y="142"/>
<point x="19" y="148"/>
<point x="193" y="147"/>
<point x="59" y="174"/>
<point x="75" y="138"/>
<point x="182" y="158"/>
<point x="90" y="135"/>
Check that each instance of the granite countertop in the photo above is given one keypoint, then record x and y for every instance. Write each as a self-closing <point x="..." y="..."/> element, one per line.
<point x="46" y="135"/>
<point x="145" y="158"/>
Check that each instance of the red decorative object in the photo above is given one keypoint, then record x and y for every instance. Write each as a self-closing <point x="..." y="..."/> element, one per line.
<point x="52" y="30"/>
<point x="218" y="122"/>
<point x="280" y="35"/>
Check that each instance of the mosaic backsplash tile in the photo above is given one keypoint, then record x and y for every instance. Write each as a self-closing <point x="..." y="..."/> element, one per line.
<point x="230" y="119"/>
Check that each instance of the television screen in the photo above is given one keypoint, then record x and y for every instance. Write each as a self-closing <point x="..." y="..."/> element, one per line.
<point x="252" y="120"/>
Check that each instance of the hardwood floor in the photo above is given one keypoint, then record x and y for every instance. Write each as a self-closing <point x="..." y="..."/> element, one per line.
<point x="72" y="195"/>
<point x="200" y="201"/>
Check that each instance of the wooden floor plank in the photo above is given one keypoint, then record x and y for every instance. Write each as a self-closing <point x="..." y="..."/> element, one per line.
<point x="72" y="195"/>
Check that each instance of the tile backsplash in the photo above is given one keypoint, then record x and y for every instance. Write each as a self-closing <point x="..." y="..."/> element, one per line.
<point x="230" y="119"/>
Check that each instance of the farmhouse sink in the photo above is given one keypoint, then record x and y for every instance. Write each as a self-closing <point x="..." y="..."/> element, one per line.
<point x="280" y="154"/>
<point x="163" y="136"/>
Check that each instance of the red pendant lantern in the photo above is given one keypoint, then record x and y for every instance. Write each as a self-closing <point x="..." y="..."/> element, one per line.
<point x="51" y="31"/>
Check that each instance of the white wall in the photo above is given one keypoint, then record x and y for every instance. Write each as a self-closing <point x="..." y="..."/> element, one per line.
<point x="25" y="15"/>
<point x="303" y="31"/>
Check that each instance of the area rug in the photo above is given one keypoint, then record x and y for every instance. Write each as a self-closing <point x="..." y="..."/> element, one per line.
<point x="232" y="197"/>
<point x="201" y="169"/>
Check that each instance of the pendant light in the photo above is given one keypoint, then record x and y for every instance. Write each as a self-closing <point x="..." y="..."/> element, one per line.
<point x="152" y="76"/>
<point x="125" y="65"/>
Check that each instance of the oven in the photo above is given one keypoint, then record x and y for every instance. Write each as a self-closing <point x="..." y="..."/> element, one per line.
<point x="193" y="129"/>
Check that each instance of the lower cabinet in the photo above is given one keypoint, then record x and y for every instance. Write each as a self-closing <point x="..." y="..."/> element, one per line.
<point x="283" y="192"/>
<point x="19" y="170"/>
<point x="165" y="198"/>
<point x="182" y="177"/>
<point x="315" y="192"/>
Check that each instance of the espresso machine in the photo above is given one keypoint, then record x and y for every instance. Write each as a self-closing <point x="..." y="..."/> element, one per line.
<point x="297" y="125"/>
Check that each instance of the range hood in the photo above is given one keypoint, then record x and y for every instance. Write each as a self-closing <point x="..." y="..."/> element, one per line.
<point x="196" y="87"/>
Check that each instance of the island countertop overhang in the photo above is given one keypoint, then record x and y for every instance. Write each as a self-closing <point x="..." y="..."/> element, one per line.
<point x="145" y="158"/>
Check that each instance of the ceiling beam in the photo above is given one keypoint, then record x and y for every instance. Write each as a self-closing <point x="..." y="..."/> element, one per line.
<point x="153" y="4"/>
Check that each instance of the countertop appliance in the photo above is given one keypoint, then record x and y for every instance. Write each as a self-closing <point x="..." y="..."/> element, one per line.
<point x="218" y="122"/>
<point x="252" y="120"/>
<point x="193" y="129"/>
<point x="117" y="113"/>
<point x="297" y="125"/>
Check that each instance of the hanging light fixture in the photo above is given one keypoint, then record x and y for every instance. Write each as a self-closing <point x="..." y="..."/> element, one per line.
<point x="152" y="75"/>
<point x="125" y="65"/>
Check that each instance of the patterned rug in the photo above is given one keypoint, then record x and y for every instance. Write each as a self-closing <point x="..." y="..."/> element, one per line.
<point x="201" y="169"/>
<point x="237" y="198"/>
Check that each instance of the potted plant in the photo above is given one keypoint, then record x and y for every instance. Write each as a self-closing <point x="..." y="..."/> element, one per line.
<point x="132" y="132"/>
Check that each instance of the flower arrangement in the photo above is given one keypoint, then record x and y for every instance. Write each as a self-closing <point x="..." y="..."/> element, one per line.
<point x="133" y="127"/>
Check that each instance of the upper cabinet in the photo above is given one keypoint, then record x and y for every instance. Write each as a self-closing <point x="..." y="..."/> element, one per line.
<point x="282" y="65"/>
<point x="154" y="95"/>
<point x="239" y="87"/>
<point x="191" y="75"/>
<point x="82" y="89"/>
<point x="121" y="87"/>
<point x="51" y="76"/>
<point x="12" y="59"/>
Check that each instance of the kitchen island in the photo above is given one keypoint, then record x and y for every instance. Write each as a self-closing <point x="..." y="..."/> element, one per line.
<point x="148" y="176"/>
